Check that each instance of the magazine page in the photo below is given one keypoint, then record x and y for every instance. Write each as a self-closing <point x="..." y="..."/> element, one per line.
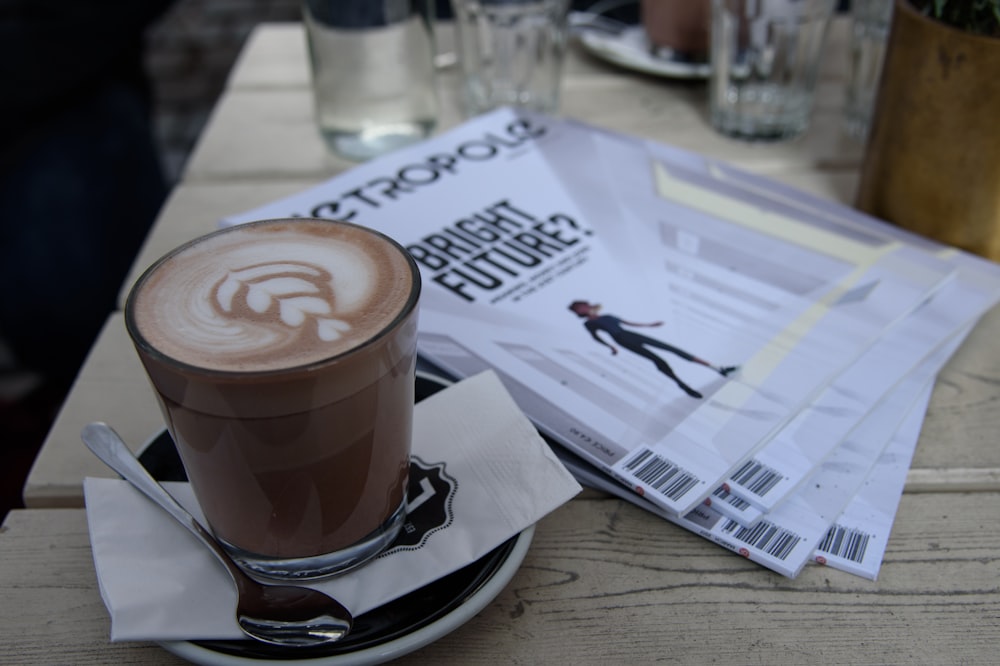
<point x="857" y="540"/>
<point x="786" y="538"/>
<point x="772" y="195"/>
<point x="772" y="472"/>
<point x="974" y="289"/>
<point x="848" y="292"/>
<point x="775" y="198"/>
<point x="804" y="518"/>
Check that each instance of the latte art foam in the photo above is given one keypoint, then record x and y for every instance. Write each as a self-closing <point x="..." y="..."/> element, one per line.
<point x="299" y="292"/>
<point x="272" y="295"/>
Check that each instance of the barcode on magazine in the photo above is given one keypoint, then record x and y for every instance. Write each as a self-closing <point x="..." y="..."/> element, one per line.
<point x="845" y="542"/>
<point x="756" y="477"/>
<point x="663" y="476"/>
<point x="765" y="536"/>
<point x="722" y="493"/>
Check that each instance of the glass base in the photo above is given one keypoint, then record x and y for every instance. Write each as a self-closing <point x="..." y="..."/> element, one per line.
<point x="371" y="142"/>
<point x="761" y="112"/>
<point x="479" y="98"/>
<point x="327" y="564"/>
<point x="752" y="129"/>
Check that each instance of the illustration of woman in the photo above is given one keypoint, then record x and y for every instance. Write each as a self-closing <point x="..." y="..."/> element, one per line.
<point x="638" y="343"/>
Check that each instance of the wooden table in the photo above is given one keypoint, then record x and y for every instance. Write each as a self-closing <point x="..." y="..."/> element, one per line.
<point x="603" y="581"/>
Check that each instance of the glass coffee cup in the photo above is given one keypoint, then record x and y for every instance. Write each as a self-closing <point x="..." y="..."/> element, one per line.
<point x="282" y="354"/>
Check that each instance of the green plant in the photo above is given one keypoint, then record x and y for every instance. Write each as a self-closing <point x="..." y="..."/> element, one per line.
<point x="978" y="16"/>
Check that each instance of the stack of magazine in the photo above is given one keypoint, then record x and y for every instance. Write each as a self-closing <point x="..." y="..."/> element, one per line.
<point x="740" y="358"/>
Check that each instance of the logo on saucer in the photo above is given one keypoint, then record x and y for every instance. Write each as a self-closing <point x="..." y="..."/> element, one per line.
<point x="428" y="505"/>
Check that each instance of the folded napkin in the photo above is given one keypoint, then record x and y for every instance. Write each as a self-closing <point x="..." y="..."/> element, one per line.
<point x="159" y="583"/>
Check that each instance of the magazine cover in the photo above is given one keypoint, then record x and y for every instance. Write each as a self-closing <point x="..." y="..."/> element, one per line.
<point x="973" y="289"/>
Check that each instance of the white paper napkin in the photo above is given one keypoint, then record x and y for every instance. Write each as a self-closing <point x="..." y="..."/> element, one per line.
<point x="159" y="583"/>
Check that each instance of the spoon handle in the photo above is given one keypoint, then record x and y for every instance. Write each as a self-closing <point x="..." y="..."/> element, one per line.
<point x="107" y="445"/>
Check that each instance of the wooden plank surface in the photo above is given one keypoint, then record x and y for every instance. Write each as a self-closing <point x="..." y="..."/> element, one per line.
<point x="605" y="582"/>
<point x="962" y="429"/>
<point x="111" y="387"/>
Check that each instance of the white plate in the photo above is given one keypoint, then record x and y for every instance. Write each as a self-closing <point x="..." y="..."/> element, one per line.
<point x="630" y="49"/>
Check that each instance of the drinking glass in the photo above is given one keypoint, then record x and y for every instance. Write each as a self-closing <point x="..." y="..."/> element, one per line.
<point x="511" y="52"/>
<point x="373" y="77"/>
<point x="765" y="57"/>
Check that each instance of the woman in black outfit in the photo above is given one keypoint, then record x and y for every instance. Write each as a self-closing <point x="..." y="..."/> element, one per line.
<point x="638" y="343"/>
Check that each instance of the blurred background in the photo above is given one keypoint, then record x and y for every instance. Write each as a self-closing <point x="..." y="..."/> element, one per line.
<point x="190" y="51"/>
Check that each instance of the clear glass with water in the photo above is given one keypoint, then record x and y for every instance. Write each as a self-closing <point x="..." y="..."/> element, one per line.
<point x="765" y="61"/>
<point x="511" y="52"/>
<point x="372" y="64"/>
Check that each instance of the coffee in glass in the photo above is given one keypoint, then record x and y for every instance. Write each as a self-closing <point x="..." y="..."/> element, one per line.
<point x="282" y="353"/>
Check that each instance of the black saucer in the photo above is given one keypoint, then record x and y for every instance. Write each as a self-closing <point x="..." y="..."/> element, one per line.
<point x="386" y="623"/>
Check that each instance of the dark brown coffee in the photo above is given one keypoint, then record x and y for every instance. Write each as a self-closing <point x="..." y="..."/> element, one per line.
<point x="679" y="26"/>
<point x="283" y="353"/>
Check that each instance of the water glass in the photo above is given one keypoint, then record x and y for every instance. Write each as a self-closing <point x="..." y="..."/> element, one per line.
<point x="511" y="52"/>
<point x="373" y="75"/>
<point x="869" y="31"/>
<point x="765" y="57"/>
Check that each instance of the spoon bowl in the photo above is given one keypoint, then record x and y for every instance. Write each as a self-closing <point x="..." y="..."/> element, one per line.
<point x="277" y="614"/>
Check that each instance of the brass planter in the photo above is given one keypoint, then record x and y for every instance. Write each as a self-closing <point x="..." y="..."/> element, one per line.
<point x="932" y="163"/>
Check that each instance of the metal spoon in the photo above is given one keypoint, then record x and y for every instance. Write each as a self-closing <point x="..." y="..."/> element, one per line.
<point x="277" y="614"/>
